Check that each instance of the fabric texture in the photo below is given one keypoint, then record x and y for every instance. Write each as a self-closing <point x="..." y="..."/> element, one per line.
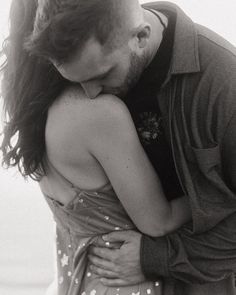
<point x="197" y="102"/>
<point x="90" y="214"/>
<point x="198" y="109"/>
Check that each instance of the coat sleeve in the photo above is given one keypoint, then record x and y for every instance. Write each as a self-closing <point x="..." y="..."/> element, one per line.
<point x="193" y="259"/>
<point x="198" y="257"/>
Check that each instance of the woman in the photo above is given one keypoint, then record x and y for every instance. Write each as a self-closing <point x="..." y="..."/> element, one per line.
<point x="87" y="157"/>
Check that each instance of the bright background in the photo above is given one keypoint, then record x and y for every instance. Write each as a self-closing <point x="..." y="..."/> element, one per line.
<point x="26" y="226"/>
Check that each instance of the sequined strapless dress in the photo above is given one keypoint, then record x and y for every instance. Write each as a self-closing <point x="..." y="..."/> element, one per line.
<point x="88" y="215"/>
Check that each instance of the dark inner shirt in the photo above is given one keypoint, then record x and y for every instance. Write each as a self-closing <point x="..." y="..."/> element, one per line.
<point x="142" y="102"/>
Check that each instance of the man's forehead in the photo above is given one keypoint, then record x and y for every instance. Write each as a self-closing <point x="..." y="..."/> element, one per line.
<point x="88" y="64"/>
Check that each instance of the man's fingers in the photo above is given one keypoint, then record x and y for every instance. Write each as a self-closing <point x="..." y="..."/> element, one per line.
<point x="103" y="272"/>
<point x="114" y="282"/>
<point x="101" y="263"/>
<point x="117" y="236"/>
<point x="101" y="243"/>
<point x="104" y="253"/>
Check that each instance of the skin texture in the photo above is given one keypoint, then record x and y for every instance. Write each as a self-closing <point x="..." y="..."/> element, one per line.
<point x="115" y="73"/>
<point x="117" y="263"/>
<point x="102" y="71"/>
<point x="98" y="73"/>
<point x="85" y="144"/>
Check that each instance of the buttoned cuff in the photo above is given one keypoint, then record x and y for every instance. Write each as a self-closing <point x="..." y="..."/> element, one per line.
<point x="154" y="257"/>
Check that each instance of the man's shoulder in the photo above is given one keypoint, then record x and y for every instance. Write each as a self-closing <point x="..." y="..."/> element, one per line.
<point x="207" y="36"/>
<point x="217" y="59"/>
<point x="160" y="5"/>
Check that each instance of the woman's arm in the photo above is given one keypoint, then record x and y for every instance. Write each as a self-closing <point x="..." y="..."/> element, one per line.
<point x="112" y="139"/>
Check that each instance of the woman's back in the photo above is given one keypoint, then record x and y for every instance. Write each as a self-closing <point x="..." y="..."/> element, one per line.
<point x="65" y="145"/>
<point x="83" y="214"/>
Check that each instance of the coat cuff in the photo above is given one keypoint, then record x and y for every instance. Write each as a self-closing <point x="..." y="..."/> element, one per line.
<point x="154" y="257"/>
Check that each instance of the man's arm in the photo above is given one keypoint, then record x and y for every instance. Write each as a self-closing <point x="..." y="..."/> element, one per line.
<point x="192" y="258"/>
<point x="205" y="257"/>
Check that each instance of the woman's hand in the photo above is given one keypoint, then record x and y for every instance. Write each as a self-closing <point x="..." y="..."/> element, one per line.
<point x="116" y="259"/>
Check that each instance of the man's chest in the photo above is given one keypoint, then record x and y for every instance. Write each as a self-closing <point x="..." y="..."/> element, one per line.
<point x="152" y="130"/>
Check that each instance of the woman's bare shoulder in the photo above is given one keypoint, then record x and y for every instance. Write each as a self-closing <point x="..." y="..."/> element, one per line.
<point x="106" y="116"/>
<point x="74" y="103"/>
<point x="82" y="111"/>
<point x="77" y="126"/>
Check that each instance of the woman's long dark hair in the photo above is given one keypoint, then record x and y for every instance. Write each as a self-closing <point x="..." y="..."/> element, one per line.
<point x="29" y="87"/>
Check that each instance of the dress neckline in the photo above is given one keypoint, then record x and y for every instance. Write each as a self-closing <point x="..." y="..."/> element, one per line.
<point x="78" y="191"/>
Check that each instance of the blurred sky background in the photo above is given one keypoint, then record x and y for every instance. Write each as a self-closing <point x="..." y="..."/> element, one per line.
<point x="26" y="226"/>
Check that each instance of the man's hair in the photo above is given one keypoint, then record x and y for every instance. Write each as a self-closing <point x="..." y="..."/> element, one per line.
<point x="62" y="27"/>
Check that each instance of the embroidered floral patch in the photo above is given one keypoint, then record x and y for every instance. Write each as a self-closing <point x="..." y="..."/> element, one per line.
<point x="149" y="127"/>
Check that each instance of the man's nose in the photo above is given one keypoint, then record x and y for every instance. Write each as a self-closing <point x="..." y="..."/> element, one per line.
<point x="91" y="89"/>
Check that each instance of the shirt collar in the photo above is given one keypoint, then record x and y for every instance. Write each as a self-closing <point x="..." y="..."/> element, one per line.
<point x="185" y="57"/>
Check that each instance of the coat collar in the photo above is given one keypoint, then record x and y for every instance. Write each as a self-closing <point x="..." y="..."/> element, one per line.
<point x="185" y="57"/>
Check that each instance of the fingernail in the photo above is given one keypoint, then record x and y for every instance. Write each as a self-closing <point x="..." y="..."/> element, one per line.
<point x="104" y="238"/>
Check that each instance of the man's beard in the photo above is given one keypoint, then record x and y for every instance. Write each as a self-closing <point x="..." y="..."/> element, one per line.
<point x="137" y="65"/>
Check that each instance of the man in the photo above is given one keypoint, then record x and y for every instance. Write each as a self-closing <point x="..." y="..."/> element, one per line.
<point x="155" y="58"/>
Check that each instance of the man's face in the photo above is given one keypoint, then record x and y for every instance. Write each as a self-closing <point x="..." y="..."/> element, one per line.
<point x="101" y="72"/>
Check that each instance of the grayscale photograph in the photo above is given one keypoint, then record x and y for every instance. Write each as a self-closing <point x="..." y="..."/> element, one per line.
<point x="117" y="147"/>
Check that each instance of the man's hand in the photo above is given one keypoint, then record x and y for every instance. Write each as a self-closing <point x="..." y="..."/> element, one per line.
<point x="116" y="259"/>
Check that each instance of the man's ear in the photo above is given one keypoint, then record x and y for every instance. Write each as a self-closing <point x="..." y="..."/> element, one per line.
<point x="142" y="35"/>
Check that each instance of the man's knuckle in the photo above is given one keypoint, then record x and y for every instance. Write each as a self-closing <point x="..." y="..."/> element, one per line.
<point x="99" y="271"/>
<point x="116" y="269"/>
<point x="107" y="274"/>
<point x="115" y="257"/>
<point x="99" y="252"/>
<point x="96" y="261"/>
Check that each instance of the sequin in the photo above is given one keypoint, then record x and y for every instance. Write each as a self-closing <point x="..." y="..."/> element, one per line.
<point x="157" y="284"/>
<point x="83" y="293"/>
<point x="89" y="274"/>
<point x="59" y="252"/>
<point x="107" y="217"/>
<point x="64" y="260"/>
<point x="117" y="228"/>
<point x="149" y="291"/>
<point x="93" y="292"/>
<point x="69" y="246"/>
<point x="60" y="281"/>
<point x="77" y="281"/>
<point x="138" y="293"/>
<point x="107" y="244"/>
<point x="69" y="273"/>
<point x="81" y="201"/>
